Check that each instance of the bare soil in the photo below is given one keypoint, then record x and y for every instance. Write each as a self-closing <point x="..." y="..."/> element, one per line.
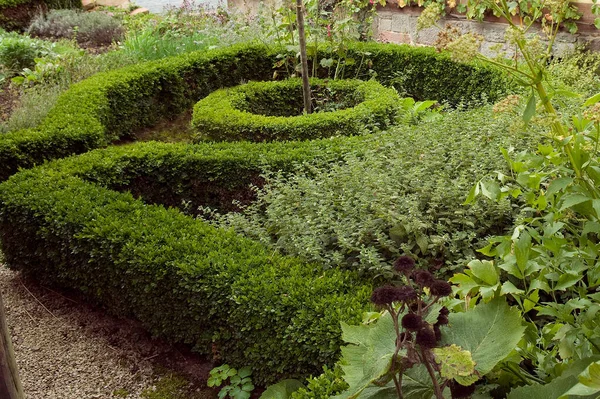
<point x="9" y="99"/>
<point x="66" y="349"/>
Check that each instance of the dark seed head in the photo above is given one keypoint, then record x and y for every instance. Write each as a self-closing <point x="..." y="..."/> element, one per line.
<point x="460" y="391"/>
<point x="412" y="321"/>
<point x="442" y="320"/>
<point x="404" y="264"/>
<point x="444" y="311"/>
<point x="386" y="295"/>
<point x="426" y="338"/>
<point x="407" y="293"/>
<point x="441" y="288"/>
<point x="423" y="278"/>
<point x="438" y="333"/>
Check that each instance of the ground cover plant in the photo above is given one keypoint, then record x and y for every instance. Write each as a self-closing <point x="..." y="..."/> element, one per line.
<point x="400" y="195"/>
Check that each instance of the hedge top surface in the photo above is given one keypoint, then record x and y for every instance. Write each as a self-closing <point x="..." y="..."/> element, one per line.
<point x="266" y="111"/>
<point x="114" y="104"/>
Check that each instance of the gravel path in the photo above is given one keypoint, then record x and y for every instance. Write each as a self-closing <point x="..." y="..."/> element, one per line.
<point x="68" y="350"/>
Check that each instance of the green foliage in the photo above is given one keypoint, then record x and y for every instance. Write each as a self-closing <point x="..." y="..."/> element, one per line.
<point x="573" y="383"/>
<point x="414" y="112"/>
<point x="329" y="383"/>
<point x="489" y="332"/>
<point x="238" y="383"/>
<point x="282" y="390"/>
<point x="548" y="264"/>
<point x="471" y="345"/>
<point x="270" y="111"/>
<point x="18" y="52"/>
<point x="118" y="103"/>
<point x="401" y="193"/>
<point x="182" y="278"/>
<point x="368" y="358"/>
<point x="91" y="28"/>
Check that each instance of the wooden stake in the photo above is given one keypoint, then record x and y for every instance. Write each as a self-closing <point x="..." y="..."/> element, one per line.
<point x="303" y="57"/>
<point x="10" y="386"/>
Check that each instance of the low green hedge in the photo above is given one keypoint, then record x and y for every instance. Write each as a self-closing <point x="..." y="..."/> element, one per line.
<point x="266" y="111"/>
<point x="182" y="278"/>
<point x="66" y="224"/>
<point x="112" y="105"/>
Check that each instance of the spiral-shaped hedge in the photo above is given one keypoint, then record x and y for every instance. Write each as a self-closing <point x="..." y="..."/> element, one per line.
<point x="246" y="112"/>
<point x="95" y="222"/>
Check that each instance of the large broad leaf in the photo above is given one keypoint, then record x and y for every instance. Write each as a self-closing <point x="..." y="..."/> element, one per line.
<point x="566" y="386"/>
<point x="282" y="390"/>
<point x="490" y="332"/>
<point x="416" y="383"/>
<point x="368" y="357"/>
<point x="589" y="383"/>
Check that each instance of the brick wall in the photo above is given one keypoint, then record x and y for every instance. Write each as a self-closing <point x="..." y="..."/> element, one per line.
<point x="399" y="25"/>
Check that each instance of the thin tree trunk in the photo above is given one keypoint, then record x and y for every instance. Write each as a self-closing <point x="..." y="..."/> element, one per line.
<point x="10" y="387"/>
<point x="303" y="58"/>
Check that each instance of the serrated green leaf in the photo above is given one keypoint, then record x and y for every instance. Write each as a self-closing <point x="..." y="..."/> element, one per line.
<point x="490" y="332"/>
<point x="368" y="356"/>
<point x="567" y="280"/>
<point x="572" y="200"/>
<point x="510" y="288"/>
<point x="416" y="384"/>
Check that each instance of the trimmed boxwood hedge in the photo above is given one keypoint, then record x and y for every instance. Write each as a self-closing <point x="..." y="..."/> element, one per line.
<point x="232" y="114"/>
<point x="66" y="222"/>
<point x="112" y="105"/>
<point x="182" y="278"/>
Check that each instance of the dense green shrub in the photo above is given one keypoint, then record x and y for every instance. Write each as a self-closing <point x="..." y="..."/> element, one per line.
<point x="182" y="278"/>
<point x="114" y="104"/>
<point x="265" y="111"/>
<point x="90" y="28"/>
<point x="401" y="194"/>
<point x="19" y="51"/>
<point x="324" y="386"/>
<point x="17" y="54"/>
<point x="425" y="74"/>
